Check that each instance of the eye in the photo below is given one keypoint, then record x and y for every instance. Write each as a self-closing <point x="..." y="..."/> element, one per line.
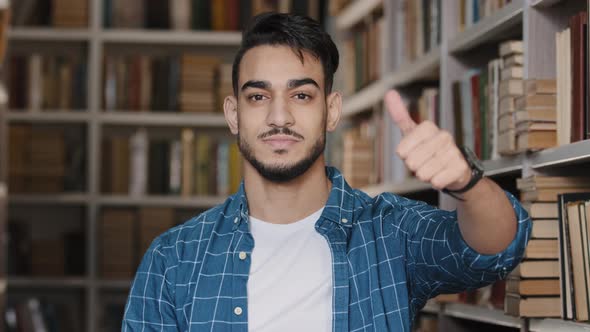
<point x="256" y="97"/>
<point x="302" y="96"/>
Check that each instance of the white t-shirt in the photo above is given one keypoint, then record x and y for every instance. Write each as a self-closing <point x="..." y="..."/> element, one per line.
<point x="290" y="283"/>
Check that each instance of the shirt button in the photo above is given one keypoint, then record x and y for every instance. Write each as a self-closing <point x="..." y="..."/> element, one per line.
<point x="236" y="220"/>
<point x="238" y="311"/>
<point x="344" y="220"/>
<point x="243" y="255"/>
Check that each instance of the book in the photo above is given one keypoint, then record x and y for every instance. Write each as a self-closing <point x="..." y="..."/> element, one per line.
<point x="532" y="306"/>
<point x="536" y="140"/>
<point x="542" y="249"/>
<point x="548" y="195"/>
<point x="578" y="26"/>
<point x="537" y="269"/>
<point x="512" y="73"/>
<point x="513" y="60"/>
<point x="564" y="86"/>
<point x="532" y="287"/>
<point x="545" y="229"/>
<point x="540" y="87"/>
<point x="511" y="47"/>
<point x="538" y="210"/>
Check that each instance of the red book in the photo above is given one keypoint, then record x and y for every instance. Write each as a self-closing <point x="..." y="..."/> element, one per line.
<point x="578" y="25"/>
<point x="233" y="15"/>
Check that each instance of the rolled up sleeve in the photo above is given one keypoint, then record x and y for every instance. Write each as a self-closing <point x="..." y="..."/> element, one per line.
<point x="440" y="261"/>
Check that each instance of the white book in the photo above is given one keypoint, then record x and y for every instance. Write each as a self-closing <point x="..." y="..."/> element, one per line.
<point x="139" y="159"/>
<point x="180" y="14"/>
<point x="35" y="82"/>
<point x="175" y="166"/>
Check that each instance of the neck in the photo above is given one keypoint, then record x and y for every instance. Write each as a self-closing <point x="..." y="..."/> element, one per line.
<point x="284" y="203"/>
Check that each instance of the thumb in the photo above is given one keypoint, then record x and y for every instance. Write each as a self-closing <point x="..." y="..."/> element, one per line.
<point x="398" y="111"/>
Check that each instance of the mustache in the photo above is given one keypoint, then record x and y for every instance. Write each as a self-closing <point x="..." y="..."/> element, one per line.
<point x="280" y="131"/>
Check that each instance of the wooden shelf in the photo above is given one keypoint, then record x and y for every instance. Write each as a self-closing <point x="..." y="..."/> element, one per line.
<point x="561" y="156"/>
<point x="423" y="68"/>
<point x="489" y="29"/>
<point x="61" y="199"/>
<point x="544" y="3"/>
<point x="503" y="165"/>
<point x="48" y="34"/>
<point x="355" y="12"/>
<point x="481" y="314"/>
<point x="49" y="116"/>
<point x="46" y="282"/>
<point x="431" y="307"/>
<point x="171" y="37"/>
<point x="171" y="201"/>
<point x="552" y="325"/>
<point x="164" y="119"/>
<point x="411" y="185"/>
<point x="114" y="284"/>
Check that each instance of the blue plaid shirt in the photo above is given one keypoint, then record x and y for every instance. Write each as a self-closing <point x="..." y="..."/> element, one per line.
<point x="389" y="255"/>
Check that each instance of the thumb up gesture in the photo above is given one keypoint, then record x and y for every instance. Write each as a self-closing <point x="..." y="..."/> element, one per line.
<point x="428" y="151"/>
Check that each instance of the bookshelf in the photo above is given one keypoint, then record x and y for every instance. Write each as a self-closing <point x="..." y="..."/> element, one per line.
<point x="92" y="43"/>
<point x="459" y="51"/>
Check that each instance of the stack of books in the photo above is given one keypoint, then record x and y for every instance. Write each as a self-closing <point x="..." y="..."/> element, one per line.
<point x="535" y="116"/>
<point x="70" y="13"/>
<point x="510" y="88"/>
<point x="358" y="158"/>
<point x="197" y="93"/>
<point x="534" y="288"/>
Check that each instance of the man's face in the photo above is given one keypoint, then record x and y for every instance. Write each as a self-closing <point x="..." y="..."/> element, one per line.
<point x="281" y="111"/>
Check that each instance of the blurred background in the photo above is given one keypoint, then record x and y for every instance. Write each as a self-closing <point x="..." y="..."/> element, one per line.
<point x="112" y="131"/>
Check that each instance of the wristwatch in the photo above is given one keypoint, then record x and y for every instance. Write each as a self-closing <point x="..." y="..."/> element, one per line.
<point x="476" y="173"/>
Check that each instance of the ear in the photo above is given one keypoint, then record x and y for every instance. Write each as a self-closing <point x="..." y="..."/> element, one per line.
<point x="334" y="110"/>
<point x="230" y="110"/>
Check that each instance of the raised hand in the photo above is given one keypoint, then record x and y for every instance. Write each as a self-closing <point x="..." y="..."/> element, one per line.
<point x="428" y="151"/>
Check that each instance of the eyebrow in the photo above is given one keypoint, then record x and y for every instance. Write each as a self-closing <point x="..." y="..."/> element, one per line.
<point x="291" y="84"/>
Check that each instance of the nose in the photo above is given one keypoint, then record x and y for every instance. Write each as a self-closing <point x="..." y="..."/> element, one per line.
<point x="279" y="114"/>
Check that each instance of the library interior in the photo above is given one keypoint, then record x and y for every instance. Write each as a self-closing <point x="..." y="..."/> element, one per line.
<point x="118" y="106"/>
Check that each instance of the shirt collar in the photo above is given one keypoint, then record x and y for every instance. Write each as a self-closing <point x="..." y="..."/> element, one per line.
<point x="339" y="207"/>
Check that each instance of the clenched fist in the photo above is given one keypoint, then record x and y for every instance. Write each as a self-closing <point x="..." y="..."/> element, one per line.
<point x="428" y="151"/>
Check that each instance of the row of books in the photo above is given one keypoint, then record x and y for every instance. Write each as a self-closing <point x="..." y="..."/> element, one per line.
<point x="62" y="13"/>
<point x="473" y="11"/>
<point x="194" y="164"/>
<point x="59" y="255"/>
<point x="362" y="55"/>
<point x="497" y="112"/>
<point x="126" y="234"/>
<point x="45" y="159"/>
<point x="418" y="28"/>
<point x="573" y="120"/>
<point x="215" y="15"/>
<point x="186" y="83"/>
<point x="550" y="281"/>
<point x="40" y="314"/>
<point x="47" y="82"/>
<point x="362" y="146"/>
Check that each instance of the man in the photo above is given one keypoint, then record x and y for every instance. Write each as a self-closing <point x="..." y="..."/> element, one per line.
<point x="296" y="249"/>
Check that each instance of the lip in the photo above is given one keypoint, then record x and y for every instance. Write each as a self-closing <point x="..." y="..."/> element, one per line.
<point x="280" y="141"/>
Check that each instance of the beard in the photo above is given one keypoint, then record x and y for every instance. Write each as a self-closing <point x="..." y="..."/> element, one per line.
<point x="283" y="173"/>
